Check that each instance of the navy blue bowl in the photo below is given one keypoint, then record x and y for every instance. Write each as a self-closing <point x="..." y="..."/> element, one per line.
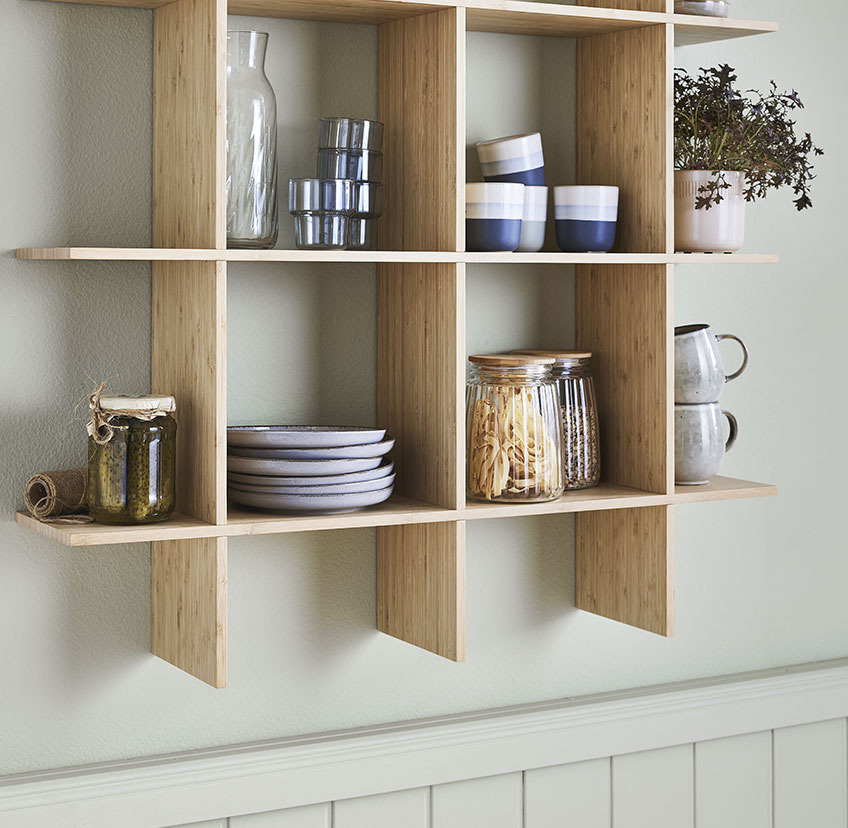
<point x="585" y="236"/>
<point x="531" y="178"/>
<point x="492" y="235"/>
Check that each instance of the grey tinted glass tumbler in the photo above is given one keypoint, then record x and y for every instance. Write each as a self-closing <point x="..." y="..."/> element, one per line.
<point x="251" y="144"/>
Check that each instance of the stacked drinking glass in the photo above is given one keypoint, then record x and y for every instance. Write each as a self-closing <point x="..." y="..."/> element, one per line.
<point x="338" y="209"/>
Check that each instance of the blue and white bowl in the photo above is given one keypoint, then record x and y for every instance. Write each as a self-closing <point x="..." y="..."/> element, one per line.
<point x="585" y="218"/>
<point x="516" y="158"/>
<point x="493" y="213"/>
<point x="535" y="220"/>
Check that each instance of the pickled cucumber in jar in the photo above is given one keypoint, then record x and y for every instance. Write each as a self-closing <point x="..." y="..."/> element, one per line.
<point x="131" y="459"/>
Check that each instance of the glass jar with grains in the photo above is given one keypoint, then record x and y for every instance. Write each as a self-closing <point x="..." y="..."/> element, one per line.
<point x="513" y="429"/>
<point x="581" y="450"/>
<point x="131" y="458"/>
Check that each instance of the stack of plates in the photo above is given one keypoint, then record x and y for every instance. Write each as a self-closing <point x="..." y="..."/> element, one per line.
<point x="308" y="468"/>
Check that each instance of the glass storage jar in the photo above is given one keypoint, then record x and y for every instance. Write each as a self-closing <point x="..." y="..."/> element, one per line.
<point x="513" y="429"/>
<point x="131" y="459"/>
<point x="581" y="449"/>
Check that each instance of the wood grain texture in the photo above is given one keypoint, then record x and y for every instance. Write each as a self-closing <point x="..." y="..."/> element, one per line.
<point x="810" y="775"/>
<point x="653" y="789"/>
<point x="554" y="20"/>
<point x="564" y="795"/>
<point x="188" y="606"/>
<point x="733" y="782"/>
<point x="625" y="317"/>
<point x="189" y="361"/>
<point x="421" y="377"/>
<point x="624" y="565"/>
<point x="338" y="11"/>
<point x="632" y="5"/>
<point x="421" y="79"/>
<point x="410" y="809"/>
<point x="421" y="586"/>
<point x="189" y="124"/>
<point x="622" y="100"/>
<point x="490" y="802"/>
<point x="310" y="816"/>
<point x="690" y="30"/>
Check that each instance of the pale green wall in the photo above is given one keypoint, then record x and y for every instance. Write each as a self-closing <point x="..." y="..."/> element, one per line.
<point x="759" y="583"/>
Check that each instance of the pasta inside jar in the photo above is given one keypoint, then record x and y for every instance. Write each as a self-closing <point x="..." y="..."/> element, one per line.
<point x="513" y="430"/>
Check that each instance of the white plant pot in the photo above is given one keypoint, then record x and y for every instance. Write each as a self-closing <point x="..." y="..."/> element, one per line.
<point x="721" y="229"/>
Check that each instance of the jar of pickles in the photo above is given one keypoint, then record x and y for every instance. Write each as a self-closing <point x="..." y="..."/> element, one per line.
<point x="581" y="450"/>
<point x="513" y="433"/>
<point x="131" y="458"/>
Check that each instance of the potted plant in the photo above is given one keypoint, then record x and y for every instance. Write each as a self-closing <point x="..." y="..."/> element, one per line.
<point x="731" y="147"/>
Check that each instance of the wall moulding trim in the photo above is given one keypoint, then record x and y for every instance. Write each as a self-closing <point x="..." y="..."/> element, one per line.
<point x="164" y="791"/>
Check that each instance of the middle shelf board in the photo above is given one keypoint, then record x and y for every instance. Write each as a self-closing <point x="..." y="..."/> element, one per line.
<point x="395" y="512"/>
<point x="154" y="254"/>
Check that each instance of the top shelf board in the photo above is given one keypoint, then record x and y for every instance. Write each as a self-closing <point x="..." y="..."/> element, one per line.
<point x="504" y="16"/>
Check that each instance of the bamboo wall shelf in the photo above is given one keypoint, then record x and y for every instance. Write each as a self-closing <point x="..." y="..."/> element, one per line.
<point x="623" y="307"/>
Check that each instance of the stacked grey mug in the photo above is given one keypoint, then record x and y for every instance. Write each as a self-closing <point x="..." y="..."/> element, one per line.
<point x="338" y="209"/>
<point x="699" y="377"/>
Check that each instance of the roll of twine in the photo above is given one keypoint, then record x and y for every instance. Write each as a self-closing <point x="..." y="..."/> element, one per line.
<point x="58" y="496"/>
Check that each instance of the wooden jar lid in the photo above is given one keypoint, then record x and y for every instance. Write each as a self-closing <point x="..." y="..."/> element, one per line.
<point x="556" y="355"/>
<point x="507" y="360"/>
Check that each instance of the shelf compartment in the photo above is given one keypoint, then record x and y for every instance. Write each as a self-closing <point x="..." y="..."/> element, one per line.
<point x="154" y="254"/>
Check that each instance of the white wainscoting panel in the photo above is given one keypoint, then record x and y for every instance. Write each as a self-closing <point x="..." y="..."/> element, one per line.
<point x="491" y="802"/>
<point x="568" y="795"/>
<point x="733" y="782"/>
<point x="654" y="789"/>
<point x="810" y="776"/>
<point x="410" y="809"/>
<point x="311" y="816"/>
<point x="762" y="750"/>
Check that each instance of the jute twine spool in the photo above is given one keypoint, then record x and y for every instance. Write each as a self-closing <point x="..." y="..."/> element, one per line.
<point x="58" y="496"/>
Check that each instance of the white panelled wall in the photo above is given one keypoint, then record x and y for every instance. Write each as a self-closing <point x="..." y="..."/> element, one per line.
<point x="792" y="777"/>
<point x="763" y="750"/>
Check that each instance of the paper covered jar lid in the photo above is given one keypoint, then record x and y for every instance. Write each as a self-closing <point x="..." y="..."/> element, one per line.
<point x="141" y="404"/>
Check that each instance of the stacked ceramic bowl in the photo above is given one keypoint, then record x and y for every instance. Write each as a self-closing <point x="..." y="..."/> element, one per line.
<point x="308" y="468"/>
<point x="338" y="209"/>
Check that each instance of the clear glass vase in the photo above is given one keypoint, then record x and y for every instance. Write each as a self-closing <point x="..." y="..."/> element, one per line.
<point x="251" y="144"/>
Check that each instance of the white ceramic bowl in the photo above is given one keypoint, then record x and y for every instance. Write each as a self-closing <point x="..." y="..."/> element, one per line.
<point x="484" y="200"/>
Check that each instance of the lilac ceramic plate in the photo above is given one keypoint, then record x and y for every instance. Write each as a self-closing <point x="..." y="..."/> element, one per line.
<point x="309" y="503"/>
<point x="301" y="437"/>
<point x="299" y="468"/>
<point x="334" y="453"/>
<point x="330" y="480"/>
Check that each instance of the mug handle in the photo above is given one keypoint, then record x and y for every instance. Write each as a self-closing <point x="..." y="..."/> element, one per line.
<point x="734" y="430"/>
<point x="719" y="338"/>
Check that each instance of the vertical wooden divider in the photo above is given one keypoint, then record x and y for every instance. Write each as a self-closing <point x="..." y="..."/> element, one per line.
<point x="421" y="325"/>
<point x="188" y="589"/>
<point x="624" y="560"/>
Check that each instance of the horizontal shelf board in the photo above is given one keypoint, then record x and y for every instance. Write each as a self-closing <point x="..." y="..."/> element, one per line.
<point x="179" y="527"/>
<point x="691" y="29"/>
<point x="603" y="497"/>
<point x="722" y="488"/>
<point x="397" y="510"/>
<point x="337" y="11"/>
<point x="153" y="254"/>
<point x="551" y="19"/>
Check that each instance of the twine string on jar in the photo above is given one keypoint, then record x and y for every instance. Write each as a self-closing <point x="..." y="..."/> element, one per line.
<point x="101" y="429"/>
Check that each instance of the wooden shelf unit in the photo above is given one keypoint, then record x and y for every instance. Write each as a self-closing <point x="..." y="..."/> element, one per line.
<point x="624" y="311"/>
